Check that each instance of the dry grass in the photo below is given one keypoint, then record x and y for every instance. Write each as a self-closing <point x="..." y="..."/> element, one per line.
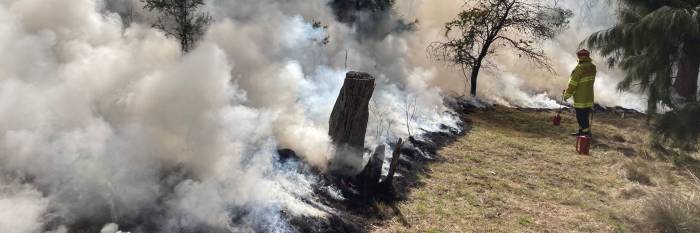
<point x="515" y="172"/>
<point x="674" y="213"/>
<point x="639" y="171"/>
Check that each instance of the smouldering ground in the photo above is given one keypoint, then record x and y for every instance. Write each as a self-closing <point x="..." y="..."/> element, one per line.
<point x="515" y="172"/>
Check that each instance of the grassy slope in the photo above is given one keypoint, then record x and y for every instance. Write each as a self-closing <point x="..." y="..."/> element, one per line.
<point x="515" y="172"/>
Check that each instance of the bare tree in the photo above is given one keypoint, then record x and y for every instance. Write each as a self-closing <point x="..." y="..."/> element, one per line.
<point x="383" y="120"/>
<point x="182" y="19"/>
<point x="489" y="25"/>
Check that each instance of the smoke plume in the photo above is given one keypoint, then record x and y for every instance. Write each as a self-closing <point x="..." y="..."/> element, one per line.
<point x="514" y="81"/>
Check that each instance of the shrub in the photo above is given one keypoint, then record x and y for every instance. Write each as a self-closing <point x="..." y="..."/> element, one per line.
<point x="674" y="213"/>
<point x="638" y="171"/>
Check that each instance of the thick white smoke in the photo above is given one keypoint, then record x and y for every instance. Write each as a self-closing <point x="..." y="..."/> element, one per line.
<point x="105" y="122"/>
<point x="21" y="207"/>
<point x="109" y="123"/>
<point x="515" y="81"/>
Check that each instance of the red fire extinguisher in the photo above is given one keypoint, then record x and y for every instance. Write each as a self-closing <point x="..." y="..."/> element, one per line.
<point x="556" y="120"/>
<point x="583" y="144"/>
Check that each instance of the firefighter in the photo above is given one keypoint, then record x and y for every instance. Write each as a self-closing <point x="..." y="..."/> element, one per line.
<point x="581" y="88"/>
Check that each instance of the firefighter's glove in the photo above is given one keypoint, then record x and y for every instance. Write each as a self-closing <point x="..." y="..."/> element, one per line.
<point x="567" y="96"/>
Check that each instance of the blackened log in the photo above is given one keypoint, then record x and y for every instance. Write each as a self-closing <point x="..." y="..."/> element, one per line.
<point x="348" y="123"/>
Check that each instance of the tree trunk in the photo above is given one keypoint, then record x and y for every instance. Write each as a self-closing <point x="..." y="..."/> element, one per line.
<point x="493" y="35"/>
<point x="687" y="81"/>
<point x="474" y="75"/>
<point x="477" y="66"/>
<point x="348" y="123"/>
<point x="482" y="55"/>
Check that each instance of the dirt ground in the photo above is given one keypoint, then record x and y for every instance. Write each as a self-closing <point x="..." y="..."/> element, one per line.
<point x="516" y="172"/>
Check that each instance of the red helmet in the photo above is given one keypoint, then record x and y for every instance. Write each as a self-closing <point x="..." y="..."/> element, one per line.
<point x="583" y="53"/>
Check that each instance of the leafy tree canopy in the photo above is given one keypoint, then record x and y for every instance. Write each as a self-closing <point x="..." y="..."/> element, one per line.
<point x="181" y="19"/>
<point x="657" y="44"/>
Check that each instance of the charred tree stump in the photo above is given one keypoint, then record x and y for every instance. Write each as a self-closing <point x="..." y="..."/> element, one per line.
<point x="348" y="123"/>
<point x="394" y="164"/>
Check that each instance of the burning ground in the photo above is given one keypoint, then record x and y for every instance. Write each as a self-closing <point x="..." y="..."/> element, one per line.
<point x="106" y="125"/>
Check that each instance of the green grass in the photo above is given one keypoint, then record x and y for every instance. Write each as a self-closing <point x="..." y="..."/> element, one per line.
<point x="525" y="221"/>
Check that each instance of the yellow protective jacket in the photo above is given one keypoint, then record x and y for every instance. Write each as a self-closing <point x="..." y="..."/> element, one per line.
<point x="581" y="84"/>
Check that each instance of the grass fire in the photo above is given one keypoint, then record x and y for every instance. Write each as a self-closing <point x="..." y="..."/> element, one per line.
<point x="223" y="116"/>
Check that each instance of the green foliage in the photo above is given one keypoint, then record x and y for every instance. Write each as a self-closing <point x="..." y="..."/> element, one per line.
<point x="487" y="26"/>
<point x="373" y="19"/>
<point x="682" y="125"/>
<point x="657" y="44"/>
<point x="181" y="19"/>
<point x="347" y="10"/>
<point x="319" y="26"/>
